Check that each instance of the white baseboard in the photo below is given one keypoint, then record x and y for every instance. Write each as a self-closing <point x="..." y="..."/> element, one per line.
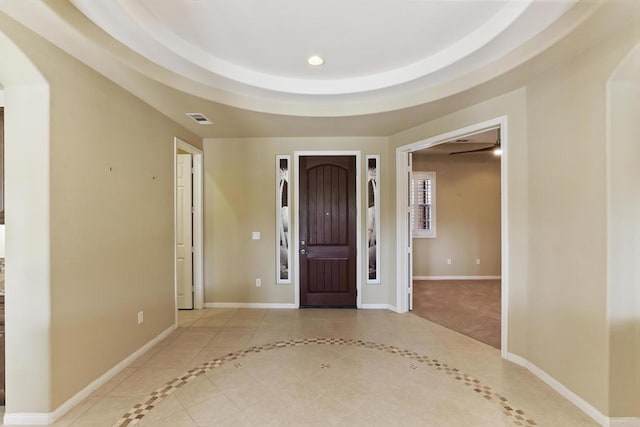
<point x="582" y="404"/>
<point x="377" y="307"/>
<point x="28" y="419"/>
<point x="248" y="305"/>
<point x="43" y="419"/>
<point x="456" y="277"/>
<point x="624" y="422"/>
<point x="284" y="305"/>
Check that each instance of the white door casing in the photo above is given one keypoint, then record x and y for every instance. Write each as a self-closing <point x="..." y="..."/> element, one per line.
<point x="184" y="238"/>
<point x="409" y="231"/>
<point x="403" y="216"/>
<point x="180" y="146"/>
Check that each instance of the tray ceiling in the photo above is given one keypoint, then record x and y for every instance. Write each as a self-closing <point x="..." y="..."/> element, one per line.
<point x="371" y="48"/>
<point x="389" y="64"/>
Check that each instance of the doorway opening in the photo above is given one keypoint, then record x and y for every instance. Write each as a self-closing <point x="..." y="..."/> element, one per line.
<point x="456" y="255"/>
<point x="442" y="268"/>
<point x="327" y="229"/>
<point x="188" y="228"/>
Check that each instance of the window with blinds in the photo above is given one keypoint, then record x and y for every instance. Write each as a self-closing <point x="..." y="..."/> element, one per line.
<point x="423" y="204"/>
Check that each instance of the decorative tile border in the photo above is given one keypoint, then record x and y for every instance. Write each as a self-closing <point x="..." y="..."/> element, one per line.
<point x="135" y="414"/>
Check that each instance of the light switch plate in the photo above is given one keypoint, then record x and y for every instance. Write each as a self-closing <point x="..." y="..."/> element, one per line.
<point x="255" y="235"/>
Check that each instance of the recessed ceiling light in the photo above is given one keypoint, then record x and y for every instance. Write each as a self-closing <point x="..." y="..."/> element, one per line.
<point x="315" y="60"/>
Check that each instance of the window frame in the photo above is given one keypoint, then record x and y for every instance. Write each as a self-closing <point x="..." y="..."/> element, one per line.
<point x="423" y="233"/>
<point x="373" y="201"/>
<point x="283" y="199"/>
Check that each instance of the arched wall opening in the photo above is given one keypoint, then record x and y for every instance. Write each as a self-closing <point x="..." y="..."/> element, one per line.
<point x="623" y="223"/>
<point x="28" y="302"/>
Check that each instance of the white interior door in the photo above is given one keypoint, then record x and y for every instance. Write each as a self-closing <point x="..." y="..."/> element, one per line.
<point x="184" y="239"/>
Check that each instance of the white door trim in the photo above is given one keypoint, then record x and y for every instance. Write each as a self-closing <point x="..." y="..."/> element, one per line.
<point x="403" y="276"/>
<point x="198" y="246"/>
<point x="184" y="218"/>
<point x="296" y="213"/>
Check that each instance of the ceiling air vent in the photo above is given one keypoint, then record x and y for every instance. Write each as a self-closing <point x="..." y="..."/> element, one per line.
<point x="199" y="118"/>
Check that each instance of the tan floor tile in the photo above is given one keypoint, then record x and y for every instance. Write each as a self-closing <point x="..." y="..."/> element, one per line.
<point x="264" y="335"/>
<point x="178" y="419"/>
<point x="239" y="322"/>
<point x="195" y="337"/>
<point x="307" y="332"/>
<point x="230" y="376"/>
<point x="106" y="411"/>
<point x="208" y="354"/>
<point x="279" y="323"/>
<point x="250" y="313"/>
<point x="114" y="382"/>
<point x="216" y="411"/>
<point x="210" y="322"/>
<point x="144" y="358"/>
<point x="170" y="338"/>
<point x="167" y="407"/>
<point x="144" y="381"/>
<point x="219" y="312"/>
<point x="323" y="384"/>
<point x="232" y="337"/>
<point x="179" y="357"/>
<point x="280" y="317"/>
<point x="183" y="323"/>
<point x="196" y="391"/>
<point x="70" y="417"/>
<point x="252" y="395"/>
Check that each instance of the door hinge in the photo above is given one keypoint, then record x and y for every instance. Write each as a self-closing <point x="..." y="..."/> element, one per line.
<point x="193" y="209"/>
<point x="192" y="249"/>
<point x="193" y="170"/>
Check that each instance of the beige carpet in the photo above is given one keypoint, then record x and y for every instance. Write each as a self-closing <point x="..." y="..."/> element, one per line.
<point x="471" y="307"/>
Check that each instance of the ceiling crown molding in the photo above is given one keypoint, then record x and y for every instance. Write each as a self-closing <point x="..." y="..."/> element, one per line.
<point x="165" y="54"/>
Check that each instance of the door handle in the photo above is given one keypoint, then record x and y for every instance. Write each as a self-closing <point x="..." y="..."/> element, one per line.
<point x="303" y="251"/>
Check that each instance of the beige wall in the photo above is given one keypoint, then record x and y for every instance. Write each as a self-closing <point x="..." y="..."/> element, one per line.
<point x="109" y="232"/>
<point x="567" y="139"/>
<point x="467" y="216"/>
<point x="624" y="236"/>
<point x="557" y="225"/>
<point x="624" y="246"/>
<point x="240" y="197"/>
<point x="112" y="224"/>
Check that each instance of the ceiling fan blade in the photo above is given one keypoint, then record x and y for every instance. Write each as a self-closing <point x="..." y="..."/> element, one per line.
<point x="477" y="150"/>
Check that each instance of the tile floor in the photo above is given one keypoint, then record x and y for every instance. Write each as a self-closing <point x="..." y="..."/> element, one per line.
<point x="246" y="367"/>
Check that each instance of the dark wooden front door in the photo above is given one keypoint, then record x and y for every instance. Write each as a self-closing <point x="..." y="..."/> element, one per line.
<point x="328" y="231"/>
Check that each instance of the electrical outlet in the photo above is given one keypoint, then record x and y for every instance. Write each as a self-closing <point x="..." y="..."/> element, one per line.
<point x="449" y="261"/>
<point x="140" y="317"/>
<point x="258" y="282"/>
<point x="478" y="261"/>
